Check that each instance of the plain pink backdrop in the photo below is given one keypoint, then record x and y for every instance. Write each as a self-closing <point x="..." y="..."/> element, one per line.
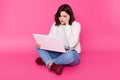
<point x="99" y="38"/>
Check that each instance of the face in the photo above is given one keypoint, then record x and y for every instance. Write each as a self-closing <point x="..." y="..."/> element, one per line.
<point x="64" y="18"/>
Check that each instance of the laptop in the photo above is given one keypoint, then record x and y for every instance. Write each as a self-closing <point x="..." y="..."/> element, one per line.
<point x="49" y="43"/>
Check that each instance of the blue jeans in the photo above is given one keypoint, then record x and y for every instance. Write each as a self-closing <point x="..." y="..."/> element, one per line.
<point x="68" y="58"/>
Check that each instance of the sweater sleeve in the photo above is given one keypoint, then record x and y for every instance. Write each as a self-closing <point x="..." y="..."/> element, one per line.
<point x="73" y="34"/>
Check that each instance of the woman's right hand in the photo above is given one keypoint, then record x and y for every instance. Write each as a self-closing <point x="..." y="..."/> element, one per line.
<point x="38" y="46"/>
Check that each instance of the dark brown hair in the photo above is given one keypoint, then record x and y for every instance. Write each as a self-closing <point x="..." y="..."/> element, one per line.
<point x="68" y="10"/>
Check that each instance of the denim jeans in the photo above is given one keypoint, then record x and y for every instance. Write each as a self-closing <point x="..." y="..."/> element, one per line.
<point x="68" y="58"/>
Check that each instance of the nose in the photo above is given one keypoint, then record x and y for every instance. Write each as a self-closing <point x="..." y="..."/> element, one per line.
<point x="61" y="19"/>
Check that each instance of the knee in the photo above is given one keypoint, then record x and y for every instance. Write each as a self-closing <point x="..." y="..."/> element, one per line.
<point x="39" y="50"/>
<point x="76" y="60"/>
<point x="70" y="57"/>
<point x="71" y="54"/>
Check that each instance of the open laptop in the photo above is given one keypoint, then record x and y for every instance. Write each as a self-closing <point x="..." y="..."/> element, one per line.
<point x="49" y="43"/>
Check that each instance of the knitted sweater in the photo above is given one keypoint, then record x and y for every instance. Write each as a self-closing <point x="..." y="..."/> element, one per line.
<point x="69" y="35"/>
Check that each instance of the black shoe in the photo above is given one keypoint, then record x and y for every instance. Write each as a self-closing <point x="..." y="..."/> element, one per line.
<point x="57" y="68"/>
<point x="39" y="61"/>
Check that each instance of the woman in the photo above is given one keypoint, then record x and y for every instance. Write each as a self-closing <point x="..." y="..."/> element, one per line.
<point x="68" y="30"/>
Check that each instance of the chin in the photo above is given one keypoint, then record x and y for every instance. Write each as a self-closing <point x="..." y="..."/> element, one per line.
<point x="63" y="23"/>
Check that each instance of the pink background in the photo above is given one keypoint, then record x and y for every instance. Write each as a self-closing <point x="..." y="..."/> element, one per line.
<point x="100" y="39"/>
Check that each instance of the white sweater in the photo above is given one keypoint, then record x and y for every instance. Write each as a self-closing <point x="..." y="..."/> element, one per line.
<point x="69" y="34"/>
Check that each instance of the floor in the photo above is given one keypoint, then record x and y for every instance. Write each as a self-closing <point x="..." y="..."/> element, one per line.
<point x="17" y="62"/>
